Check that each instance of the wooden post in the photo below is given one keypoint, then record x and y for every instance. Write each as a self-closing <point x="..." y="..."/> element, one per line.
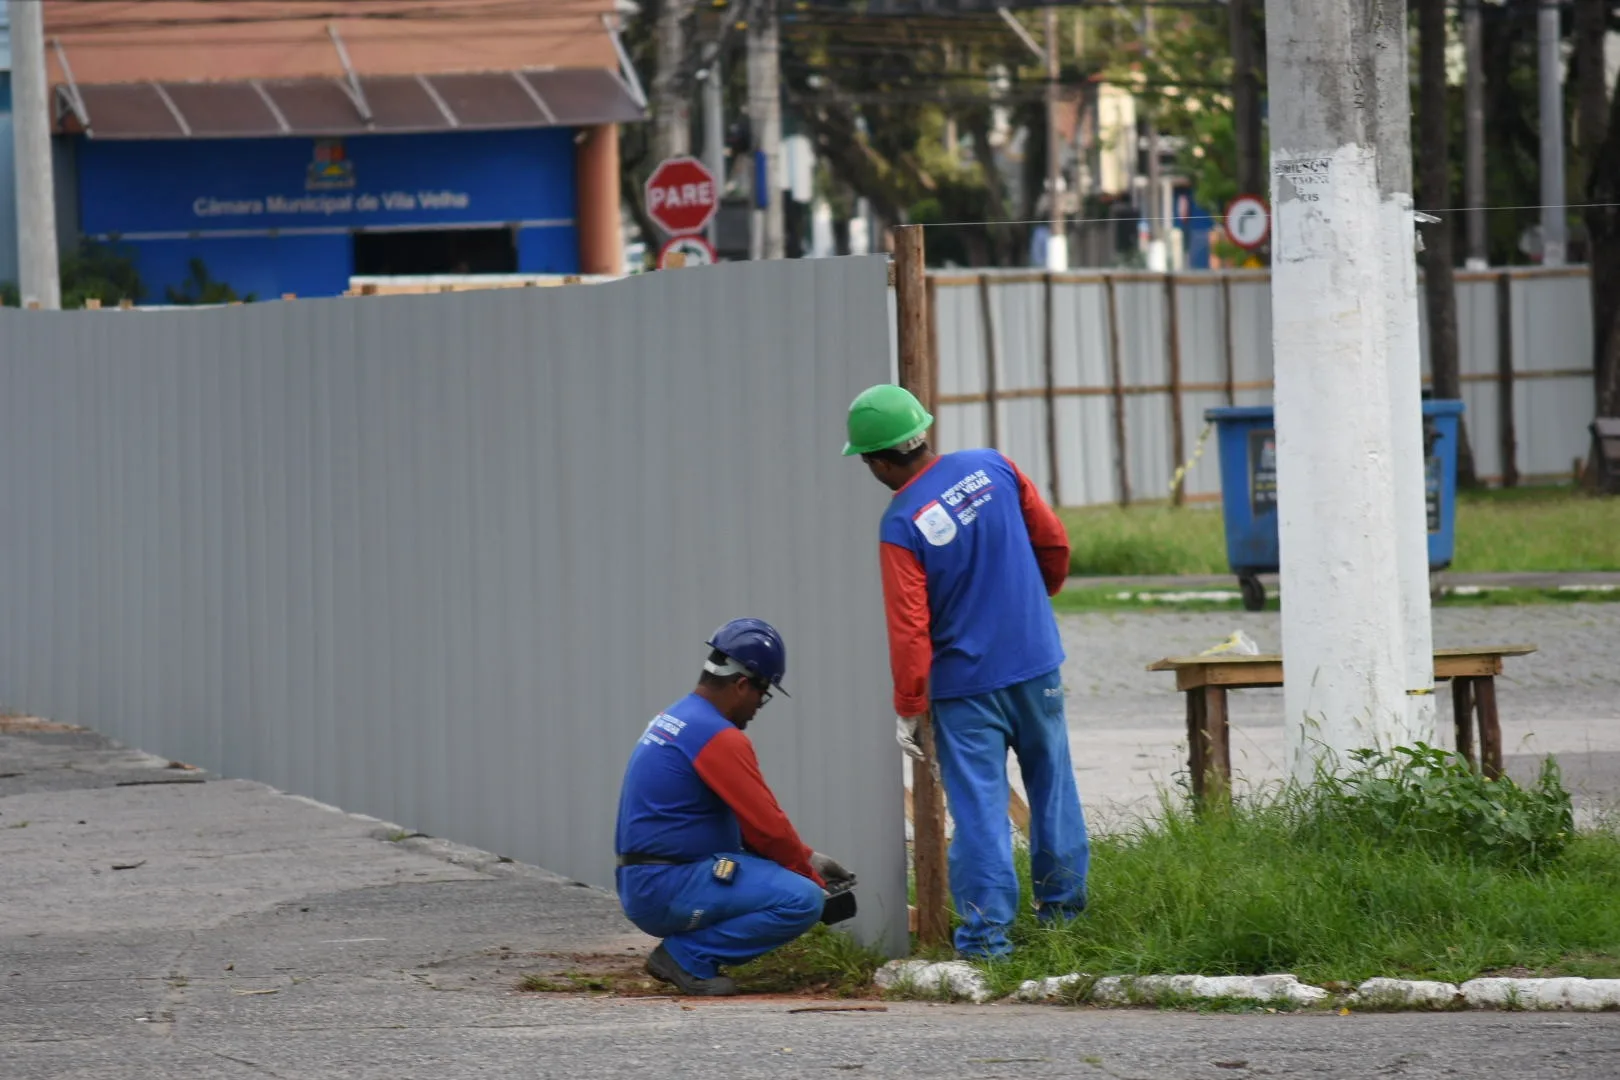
<point x="1490" y="727"/>
<point x="1122" y="466"/>
<point x="933" y="361"/>
<point x="1172" y="348"/>
<point x="1050" y="363"/>
<point x="1218" y="755"/>
<point x="991" y="395"/>
<point x="1504" y="376"/>
<point x="1230" y="375"/>
<point x="1196" y="755"/>
<point x="1462" y="716"/>
<point x="928" y="826"/>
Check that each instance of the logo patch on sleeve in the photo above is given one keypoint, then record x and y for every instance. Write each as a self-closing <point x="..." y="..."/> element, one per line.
<point x="936" y="524"/>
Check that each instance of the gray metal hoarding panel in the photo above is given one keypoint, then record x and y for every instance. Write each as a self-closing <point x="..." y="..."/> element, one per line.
<point x="439" y="559"/>
<point x="1552" y="335"/>
<point x="1085" y="422"/>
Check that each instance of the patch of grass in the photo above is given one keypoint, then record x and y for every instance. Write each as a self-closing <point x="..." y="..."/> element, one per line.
<point x="1528" y="529"/>
<point x="568" y="982"/>
<point x="822" y="962"/>
<point x="1532" y="529"/>
<point x="1107" y="541"/>
<point x="1408" y="869"/>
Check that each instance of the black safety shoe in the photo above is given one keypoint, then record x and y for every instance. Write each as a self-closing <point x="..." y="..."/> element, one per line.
<point x="662" y="966"/>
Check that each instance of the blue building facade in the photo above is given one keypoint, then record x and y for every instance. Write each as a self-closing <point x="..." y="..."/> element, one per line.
<point x="301" y="215"/>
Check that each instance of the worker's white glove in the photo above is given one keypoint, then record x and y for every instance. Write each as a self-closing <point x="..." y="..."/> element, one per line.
<point x="828" y="867"/>
<point x="905" y="733"/>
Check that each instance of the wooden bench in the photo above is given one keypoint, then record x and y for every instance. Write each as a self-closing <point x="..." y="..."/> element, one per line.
<point x="1206" y="679"/>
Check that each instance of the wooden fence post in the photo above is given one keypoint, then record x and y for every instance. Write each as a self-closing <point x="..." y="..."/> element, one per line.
<point x="992" y="397"/>
<point x="1117" y="377"/>
<point x="1230" y="374"/>
<point x="933" y="361"/>
<point x="1050" y="363"/>
<point x="928" y="795"/>
<point x="1504" y="376"/>
<point x="1172" y="348"/>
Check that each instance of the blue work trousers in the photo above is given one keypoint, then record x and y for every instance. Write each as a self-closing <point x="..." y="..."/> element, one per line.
<point x="706" y="923"/>
<point x="972" y="736"/>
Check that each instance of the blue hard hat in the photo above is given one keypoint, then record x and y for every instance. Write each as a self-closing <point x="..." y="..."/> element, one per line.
<point x="754" y="646"/>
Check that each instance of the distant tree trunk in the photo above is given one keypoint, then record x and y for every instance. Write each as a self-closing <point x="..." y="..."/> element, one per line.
<point x="1603" y="228"/>
<point x="1434" y="185"/>
<point x="1248" y="60"/>
<point x="1598" y="131"/>
<point x="985" y="154"/>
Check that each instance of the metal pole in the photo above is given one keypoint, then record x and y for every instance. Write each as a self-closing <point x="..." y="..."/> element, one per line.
<point x="714" y="135"/>
<point x="1478" y="252"/>
<point x="1057" y="243"/>
<point x="765" y="111"/>
<point x="1345" y="678"/>
<point x="1553" y="213"/>
<point x="40" y="274"/>
<point x="1391" y="50"/>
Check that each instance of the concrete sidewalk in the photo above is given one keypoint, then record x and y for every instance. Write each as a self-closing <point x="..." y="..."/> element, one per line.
<point x="161" y="923"/>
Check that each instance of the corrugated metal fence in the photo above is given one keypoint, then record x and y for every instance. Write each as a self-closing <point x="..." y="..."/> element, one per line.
<point x="1096" y="383"/>
<point x="439" y="559"/>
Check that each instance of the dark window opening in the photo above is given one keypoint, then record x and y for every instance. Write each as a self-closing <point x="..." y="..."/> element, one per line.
<point x="435" y="251"/>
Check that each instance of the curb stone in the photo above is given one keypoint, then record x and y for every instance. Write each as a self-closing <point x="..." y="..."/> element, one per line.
<point x="961" y="980"/>
<point x="1147" y="989"/>
<point x="958" y="978"/>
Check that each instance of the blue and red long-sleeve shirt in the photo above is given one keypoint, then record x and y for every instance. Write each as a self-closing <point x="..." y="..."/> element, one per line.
<point x="970" y="554"/>
<point x="693" y="788"/>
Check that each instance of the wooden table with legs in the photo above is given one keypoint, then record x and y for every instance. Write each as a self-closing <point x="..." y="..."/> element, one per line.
<point x="1206" y="679"/>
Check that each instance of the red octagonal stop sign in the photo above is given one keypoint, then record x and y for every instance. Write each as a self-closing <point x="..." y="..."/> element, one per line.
<point x="681" y="196"/>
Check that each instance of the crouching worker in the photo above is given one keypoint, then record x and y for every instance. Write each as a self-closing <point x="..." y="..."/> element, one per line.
<point x="707" y="859"/>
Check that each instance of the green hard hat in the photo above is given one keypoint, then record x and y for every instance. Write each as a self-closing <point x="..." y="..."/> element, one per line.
<point x="883" y="417"/>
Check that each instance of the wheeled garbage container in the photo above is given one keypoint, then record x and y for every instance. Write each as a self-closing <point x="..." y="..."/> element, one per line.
<point x="1247" y="438"/>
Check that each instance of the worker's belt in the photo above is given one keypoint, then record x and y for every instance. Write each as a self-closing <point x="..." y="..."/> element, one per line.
<point x="636" y="858"/>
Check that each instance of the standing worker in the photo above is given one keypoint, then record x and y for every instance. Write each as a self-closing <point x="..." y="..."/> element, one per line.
<point x="970" y="554"/>
<point x="707" y="859"/>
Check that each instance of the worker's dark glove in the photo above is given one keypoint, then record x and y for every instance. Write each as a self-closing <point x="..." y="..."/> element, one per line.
<point x="828" y="867"/>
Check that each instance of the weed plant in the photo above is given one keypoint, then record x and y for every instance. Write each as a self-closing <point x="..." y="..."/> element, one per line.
<point x="1407" y="865"/>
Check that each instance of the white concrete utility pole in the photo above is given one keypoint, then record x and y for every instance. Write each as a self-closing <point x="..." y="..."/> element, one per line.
<point x="672" y="112"/>
<point x="1343" y="647"/>
<point x="1391" y="53"/>
<point x="1554" y="228"/>
<point x="1477" y="250"/>
<point x="41" y="281"/>
<point x="765" y="115"/>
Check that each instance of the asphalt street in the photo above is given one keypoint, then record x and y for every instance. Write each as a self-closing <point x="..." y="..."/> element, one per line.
<point x="159" y="922"/>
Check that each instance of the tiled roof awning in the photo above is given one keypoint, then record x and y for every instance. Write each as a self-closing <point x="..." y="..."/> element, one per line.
<point x="395" y="104"/>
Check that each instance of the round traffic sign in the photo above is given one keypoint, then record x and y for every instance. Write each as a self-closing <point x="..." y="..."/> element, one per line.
<point x="1248" y="222"/>
<point x="681" y="196"/>
<point x="695" y="251"/>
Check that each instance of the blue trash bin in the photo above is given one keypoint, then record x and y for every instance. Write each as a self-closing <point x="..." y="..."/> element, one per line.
<point x="1248" y="453"/>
